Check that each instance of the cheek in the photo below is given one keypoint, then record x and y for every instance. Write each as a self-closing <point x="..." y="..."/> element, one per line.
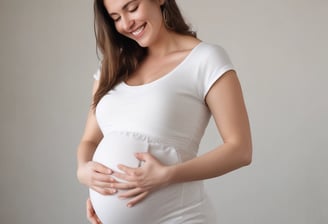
<point x="151" y="12"/>
<point x="119" y="28"/>
<point x="156" y="15"/>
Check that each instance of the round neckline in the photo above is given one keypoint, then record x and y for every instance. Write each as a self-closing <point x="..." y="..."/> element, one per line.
<point x="165" y="76"/>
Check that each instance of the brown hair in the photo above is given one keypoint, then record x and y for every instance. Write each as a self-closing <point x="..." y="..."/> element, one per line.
<point x="121" y="55"/>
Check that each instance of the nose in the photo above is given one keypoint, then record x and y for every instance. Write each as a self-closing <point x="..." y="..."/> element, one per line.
<point x="127" y="23"/>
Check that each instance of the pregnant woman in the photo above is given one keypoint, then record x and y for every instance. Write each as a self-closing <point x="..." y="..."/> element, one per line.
<point x="154" y="92"/>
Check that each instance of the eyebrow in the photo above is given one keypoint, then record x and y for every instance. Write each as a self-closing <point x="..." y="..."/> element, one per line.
<point x="124" y="7"/>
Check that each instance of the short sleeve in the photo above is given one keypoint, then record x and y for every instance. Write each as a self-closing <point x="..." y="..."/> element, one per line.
<point x="216" y="63"/>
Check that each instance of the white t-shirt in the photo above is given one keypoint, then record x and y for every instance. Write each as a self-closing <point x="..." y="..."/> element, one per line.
<point x="166" y="118"/>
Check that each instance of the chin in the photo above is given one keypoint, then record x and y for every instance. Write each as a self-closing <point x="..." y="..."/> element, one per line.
<point x="142" y="43"/>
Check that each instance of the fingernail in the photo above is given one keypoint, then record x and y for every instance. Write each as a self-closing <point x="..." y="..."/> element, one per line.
<point x="129" y="205"/>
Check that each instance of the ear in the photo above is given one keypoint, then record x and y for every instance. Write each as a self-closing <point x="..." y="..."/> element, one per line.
<point x="161" y="2"/>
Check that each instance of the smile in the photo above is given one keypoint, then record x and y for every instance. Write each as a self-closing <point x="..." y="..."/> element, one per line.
<point x="139" y="30"/>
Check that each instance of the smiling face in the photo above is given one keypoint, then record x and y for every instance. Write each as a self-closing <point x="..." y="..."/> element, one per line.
<point x="140" y="20"/>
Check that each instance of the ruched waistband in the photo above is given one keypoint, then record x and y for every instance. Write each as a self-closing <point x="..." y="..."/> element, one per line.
<point x="181" y="145"/>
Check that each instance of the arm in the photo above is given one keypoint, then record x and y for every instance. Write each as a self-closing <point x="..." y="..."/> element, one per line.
<point x="92" y="174"/>
<point x="226" y="104"/>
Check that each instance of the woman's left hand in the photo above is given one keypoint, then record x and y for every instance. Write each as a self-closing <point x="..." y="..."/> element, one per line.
<point x="142" y="180"/>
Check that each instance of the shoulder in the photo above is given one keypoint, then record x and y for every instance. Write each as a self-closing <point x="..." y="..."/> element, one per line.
<point x="211" y="50"/>
<point x="212" y="62"/>
<point x="211" y="55"/>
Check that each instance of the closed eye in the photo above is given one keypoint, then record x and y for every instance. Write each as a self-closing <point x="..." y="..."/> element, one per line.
<point x="116" y="19"/>
<point x="130" y="7"/>
<point x="134" y="9"/>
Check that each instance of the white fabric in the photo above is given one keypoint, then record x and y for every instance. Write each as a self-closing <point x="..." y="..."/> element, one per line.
<point x="166" y="118"/>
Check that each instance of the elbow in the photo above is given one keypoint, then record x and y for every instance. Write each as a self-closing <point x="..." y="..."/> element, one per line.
<point x="246" y="158"/>
<point x="243" y="153"/>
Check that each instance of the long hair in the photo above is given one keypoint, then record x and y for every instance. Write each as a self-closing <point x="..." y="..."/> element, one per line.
<point x="122" y="55"/>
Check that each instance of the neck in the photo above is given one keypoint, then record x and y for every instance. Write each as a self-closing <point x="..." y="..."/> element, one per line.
<point x="167" y="43"/>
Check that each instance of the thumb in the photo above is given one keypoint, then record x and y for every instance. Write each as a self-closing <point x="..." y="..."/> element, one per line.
<point x="102" y="168"/>
<point x="143" y="156"/>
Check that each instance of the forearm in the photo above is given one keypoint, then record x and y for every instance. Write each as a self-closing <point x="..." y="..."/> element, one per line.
<point x="85" y="152"/>
<point x="217" y="162"/>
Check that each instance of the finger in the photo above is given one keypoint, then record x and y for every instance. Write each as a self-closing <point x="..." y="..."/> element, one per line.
<point x="101" y="184"/>
<point x="89" y="207"/>
<point x="101" y="181"/>
<point x="125" y="177"/>
<point x="99" y="177"/>
<point x="129" y="170"/>
<point x="131" y="193"/>
<point x="146" y="158"/>
<point x="137" y="199"/>
<point x="91" y="215"/>
<point x="104" y="191"/>
<point x="100" y="168"/>
<point x="94" y="220"/>
<point x="143" y="156"/>
<point x="123" y="186"/>
<point x="90" y="211"/>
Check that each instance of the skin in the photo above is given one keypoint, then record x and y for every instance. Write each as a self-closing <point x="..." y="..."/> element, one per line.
<point x="91" y="215"/>
<point x="225" y="101"/>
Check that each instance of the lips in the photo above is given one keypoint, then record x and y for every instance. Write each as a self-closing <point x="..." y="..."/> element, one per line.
<point x="138" y="31"/>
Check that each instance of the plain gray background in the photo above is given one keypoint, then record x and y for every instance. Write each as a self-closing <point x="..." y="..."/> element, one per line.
<point x="47" y="57"/>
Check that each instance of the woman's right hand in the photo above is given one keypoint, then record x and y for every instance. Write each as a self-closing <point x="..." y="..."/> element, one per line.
<point x="91" y="214"/>
<point x="97" y="177"/>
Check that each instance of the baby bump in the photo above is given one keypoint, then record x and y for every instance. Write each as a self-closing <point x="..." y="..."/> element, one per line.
<point x="119" y="148"/>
